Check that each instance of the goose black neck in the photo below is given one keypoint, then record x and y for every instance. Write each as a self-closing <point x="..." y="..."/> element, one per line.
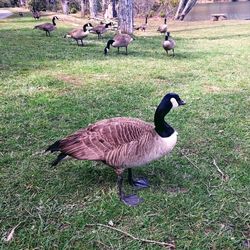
<point x="53" y="21"/>
<point x="165" y="21"/>
<point x="162" y="128"/>
<point x="85" y="27"/>
<point x="166" y="37"/>
<point x="107" y="25"/>
<point x="146" y="21"/>
<point x="110" y="42"/>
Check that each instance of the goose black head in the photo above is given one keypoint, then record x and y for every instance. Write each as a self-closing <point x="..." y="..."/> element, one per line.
<point x="108" y="24"/>
<point x="172" y="99"/>
<point x="87" y="26"/>
<point x="106" y="49"/>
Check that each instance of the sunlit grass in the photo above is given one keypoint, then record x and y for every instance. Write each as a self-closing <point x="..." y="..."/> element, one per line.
<point x="50" y="87"/>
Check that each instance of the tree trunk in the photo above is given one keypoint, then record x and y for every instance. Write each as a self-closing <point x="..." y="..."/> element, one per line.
<point x="114" y="9"/>
<point x="126" y="16"/>
<point x="183" y="9"/>
<point x="82" y="8"/>
<point x="65" y="6"/>
<point x="93" y="8"/>
<point x="104" y="6"/>
<point x="108" y="12"/>
<point x="190" y="4"/>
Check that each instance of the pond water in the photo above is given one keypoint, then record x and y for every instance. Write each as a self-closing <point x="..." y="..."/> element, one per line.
<point x="234" y="10"/>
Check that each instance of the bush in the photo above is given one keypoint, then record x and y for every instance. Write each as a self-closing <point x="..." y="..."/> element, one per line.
<point x="73" y="10"/>
<point x="74" y="5"/>
<point x="5" y="3"/>
<point x="37" y="5"/>
<point x="162" y="14"/>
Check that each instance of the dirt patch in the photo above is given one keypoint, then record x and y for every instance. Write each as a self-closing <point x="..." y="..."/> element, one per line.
<point x="70" y="79"/>
<point x="212" y="89"/>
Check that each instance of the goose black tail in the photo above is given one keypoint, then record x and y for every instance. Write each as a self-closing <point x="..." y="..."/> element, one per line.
<point x="60" y="157"/>
<point x="54" y="147"/>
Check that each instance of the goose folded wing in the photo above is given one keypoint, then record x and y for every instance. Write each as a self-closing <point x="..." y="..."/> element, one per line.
<point x="97" y="140"/>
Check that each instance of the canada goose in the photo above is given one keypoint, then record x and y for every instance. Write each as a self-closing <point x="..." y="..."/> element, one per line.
<point x="47" y="27"/>
<point x="123" y="143"/>
<point x="79" y="34"/>
<point x="20" y="14"/>
<point x="143" y="26"/>
<point x="100" y="29"/>
<point x="119" y="40"/>
<point x="168" y="43"/>
<point x="163" y="28"/>
<point x="36" y="14"/>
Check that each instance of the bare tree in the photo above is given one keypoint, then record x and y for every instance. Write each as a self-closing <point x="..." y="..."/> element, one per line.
<point x="83" y="7"/>
<point x="65" y="6"/>
<point x="93" y="8"/>
<point x="125" y="14"/>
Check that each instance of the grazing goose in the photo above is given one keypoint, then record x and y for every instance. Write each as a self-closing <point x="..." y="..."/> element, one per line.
<point x="36" y="14"/>
<point x="79" y="34"/>
<point x="47" y="27"/>
<point x="163" y="28"/>
<point x="143" y="26"/>
<point x="123" y="143"/>
<point x="119" y="40"/>
<point x="168" y="43"/>
<point x="101" y="29"/>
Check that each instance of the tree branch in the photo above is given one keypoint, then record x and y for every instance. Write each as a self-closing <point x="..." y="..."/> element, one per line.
<point x="163" y="244"/>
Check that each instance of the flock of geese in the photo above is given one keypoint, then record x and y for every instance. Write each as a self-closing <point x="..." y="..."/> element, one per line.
<point x="118" y="41"/>
<point x="121" y="142"/>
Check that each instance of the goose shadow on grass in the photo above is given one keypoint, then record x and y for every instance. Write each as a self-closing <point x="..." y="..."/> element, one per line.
<point x="96" y="176"/>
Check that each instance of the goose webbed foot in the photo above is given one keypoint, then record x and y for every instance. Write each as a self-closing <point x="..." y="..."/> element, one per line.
<point x="138" y="183"/>
<point x="130" y="200"/>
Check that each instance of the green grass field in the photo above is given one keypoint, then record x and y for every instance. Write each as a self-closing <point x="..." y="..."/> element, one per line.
<point x="50" y="87"/>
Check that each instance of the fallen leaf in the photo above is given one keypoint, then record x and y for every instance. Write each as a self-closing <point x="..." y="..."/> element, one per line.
<point x="11" y="234"/>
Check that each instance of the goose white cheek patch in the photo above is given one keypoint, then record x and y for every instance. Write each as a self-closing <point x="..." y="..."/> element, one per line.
<point x="174" y="103"/>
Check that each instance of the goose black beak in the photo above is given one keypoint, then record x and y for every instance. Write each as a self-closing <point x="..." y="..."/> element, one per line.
<point x="182" y="103"/>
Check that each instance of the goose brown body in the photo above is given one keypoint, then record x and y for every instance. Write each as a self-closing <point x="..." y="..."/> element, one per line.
<point x="122" y="40"/>
<point x="47" y="27"/>
<point x="119" y="40"/>
<point x="123" y="143"/>
<point x="168" y="43"/>
<point x="119" y="142"/>
<point x="144" y="25"/>
<point x="79" y="34"/>
<point x="163" y="28"/>
<point x="100" y="29"/>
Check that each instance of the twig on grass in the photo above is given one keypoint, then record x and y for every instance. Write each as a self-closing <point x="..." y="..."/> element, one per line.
<point x="160" y="243"/>
<point x="224" y="177"/>
<point x="189" y="160"/>
<point x="11" y="233"/>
